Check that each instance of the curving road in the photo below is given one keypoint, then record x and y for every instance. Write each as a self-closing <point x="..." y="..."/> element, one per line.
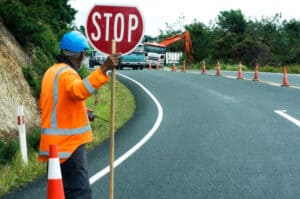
<point x="212" y="137"/>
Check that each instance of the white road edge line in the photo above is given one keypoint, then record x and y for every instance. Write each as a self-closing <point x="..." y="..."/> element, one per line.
<point x="152" y="131"/>
<point x="288" y="117"/>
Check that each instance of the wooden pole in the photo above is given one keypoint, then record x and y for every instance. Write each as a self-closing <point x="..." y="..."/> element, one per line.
<point x="112" y="126"/>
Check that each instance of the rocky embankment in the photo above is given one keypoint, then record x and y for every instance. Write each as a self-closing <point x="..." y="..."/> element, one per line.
<point x="14" y="90"/>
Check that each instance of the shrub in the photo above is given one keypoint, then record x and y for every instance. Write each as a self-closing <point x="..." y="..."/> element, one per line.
<point x="33" y="139"/>
<point x="8" y="151"/>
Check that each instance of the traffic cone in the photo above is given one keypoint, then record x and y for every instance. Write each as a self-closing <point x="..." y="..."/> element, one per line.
<point x="285" y="79"/>
<point x="218" y="71"/>
<point x="203" y="68"/>
<point x="183" y="69"/>
<point x="255" y="77"/>
<point x="240" y="72"/>
<point x="55" y="185"/>
<point x="149" y="66"/>
<point x="173" y="67"/>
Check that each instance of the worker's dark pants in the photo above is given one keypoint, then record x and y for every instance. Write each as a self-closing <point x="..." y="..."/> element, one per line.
<point x="75" y="176"/>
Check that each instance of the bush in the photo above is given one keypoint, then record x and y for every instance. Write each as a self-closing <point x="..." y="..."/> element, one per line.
<point x="293" y="69"/>
<point x="269" y="69"/>
<point x="8" y="151"/>
<point x="33" y="140"/>
<point x="252" y="52"/>
<point x="29" y="76"/>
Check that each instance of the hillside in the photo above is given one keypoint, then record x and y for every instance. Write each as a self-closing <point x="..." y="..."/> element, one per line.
<point x="14" y="89"/>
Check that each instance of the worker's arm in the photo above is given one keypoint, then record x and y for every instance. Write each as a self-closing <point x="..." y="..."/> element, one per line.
<point x="82" y="89"/>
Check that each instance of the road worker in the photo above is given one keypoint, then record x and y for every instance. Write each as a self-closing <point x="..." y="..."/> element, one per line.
<point x="64" y="115"/>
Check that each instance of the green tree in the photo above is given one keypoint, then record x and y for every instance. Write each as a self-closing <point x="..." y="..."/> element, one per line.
<point x="232" y="21"/>
<point x="38" y="25"/>
<point x="232" y="38"/>
<point x="230" y="29"/>
<point x="200" y="37"/>
<point x="292" y="31"/>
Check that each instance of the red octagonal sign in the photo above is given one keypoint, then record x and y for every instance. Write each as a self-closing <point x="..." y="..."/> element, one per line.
<point x="124" y="24"/>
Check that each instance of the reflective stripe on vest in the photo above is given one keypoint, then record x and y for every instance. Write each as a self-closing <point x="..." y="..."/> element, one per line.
<point x="55" y="96"/>
<point x="53" y="130"/>
<point x="73" y="131"/>
<point x="60" y="154"/>
<point x="88" y="86"/>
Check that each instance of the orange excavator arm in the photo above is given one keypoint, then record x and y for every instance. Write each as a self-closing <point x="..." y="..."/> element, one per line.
<point x="187" y="42"/>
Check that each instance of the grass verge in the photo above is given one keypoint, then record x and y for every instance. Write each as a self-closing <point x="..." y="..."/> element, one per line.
<point x="15" y="174"/>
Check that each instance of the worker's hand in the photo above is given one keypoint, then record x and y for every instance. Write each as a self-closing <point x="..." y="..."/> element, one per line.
<point x="112" y="61"/>
<point x="90" y="114"/>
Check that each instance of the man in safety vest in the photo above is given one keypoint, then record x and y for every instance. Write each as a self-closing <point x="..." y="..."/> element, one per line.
<point x="65" y="122"/>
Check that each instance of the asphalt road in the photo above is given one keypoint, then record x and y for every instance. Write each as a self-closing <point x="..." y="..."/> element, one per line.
<point x="217" y="137"/>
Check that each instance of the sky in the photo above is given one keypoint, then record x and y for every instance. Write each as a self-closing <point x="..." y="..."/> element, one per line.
<point x="157" y="13"/>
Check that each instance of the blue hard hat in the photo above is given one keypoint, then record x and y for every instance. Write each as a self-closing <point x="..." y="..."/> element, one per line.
<point x="74" y="41"/>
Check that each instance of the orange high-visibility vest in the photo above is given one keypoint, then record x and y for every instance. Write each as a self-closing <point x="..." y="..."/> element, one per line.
<point x="64" y="117"/>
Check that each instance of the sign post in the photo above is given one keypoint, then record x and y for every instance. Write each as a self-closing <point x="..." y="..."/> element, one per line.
<point x="112" y="29"/>
<point x="112" y="126"/>
<point x="22" y="134"/>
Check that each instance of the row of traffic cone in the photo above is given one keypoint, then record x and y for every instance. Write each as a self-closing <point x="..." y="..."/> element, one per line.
<point x="240" y="73"/>
<point x="156" y="66"/>
<point x="183" y="68"/>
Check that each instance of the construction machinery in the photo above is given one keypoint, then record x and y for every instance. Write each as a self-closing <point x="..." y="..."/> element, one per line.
<point x="185" y="36"/>
<point x="155" y="53"/>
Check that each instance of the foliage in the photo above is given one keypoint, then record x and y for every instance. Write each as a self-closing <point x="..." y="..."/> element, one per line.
<point x="232" y="21"/>
<point x="200" y="40"/>
<point x="37" y="25"/>
<point x="232" y="38"/>
<point x="29" y="76"/>
<point x="17" y="174"/>
<point x="7" y="150"/>
<point x="252" y="52"/>
<point x="83" y="71"/>
<point x="33" y="139"/>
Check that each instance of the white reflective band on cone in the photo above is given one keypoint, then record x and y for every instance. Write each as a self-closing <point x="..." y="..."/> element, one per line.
<point x="54" y="169"/>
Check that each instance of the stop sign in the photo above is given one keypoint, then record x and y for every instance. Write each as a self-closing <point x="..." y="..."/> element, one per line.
<point x="124" y="24"/>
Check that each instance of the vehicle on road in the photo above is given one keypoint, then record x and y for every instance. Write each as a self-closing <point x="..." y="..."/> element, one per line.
<point x="156" y="52"/>
<point x="135" y="60"/>
<point x="96" y="58"/>
<point x="185" y="36"/>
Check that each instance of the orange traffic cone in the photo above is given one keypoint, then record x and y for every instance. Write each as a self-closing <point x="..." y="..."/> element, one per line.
<point x="157" y="65"/>
<point x="255" y="77"/>
<point x="173" y="67"/>
<point x="203" y="68"/>
<point x="285" y="79"/>
<point x="55" y="185"/>
<point x="240" y="73"/>
<point x="218" y="71"/>
<point x="183" y="69"/>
